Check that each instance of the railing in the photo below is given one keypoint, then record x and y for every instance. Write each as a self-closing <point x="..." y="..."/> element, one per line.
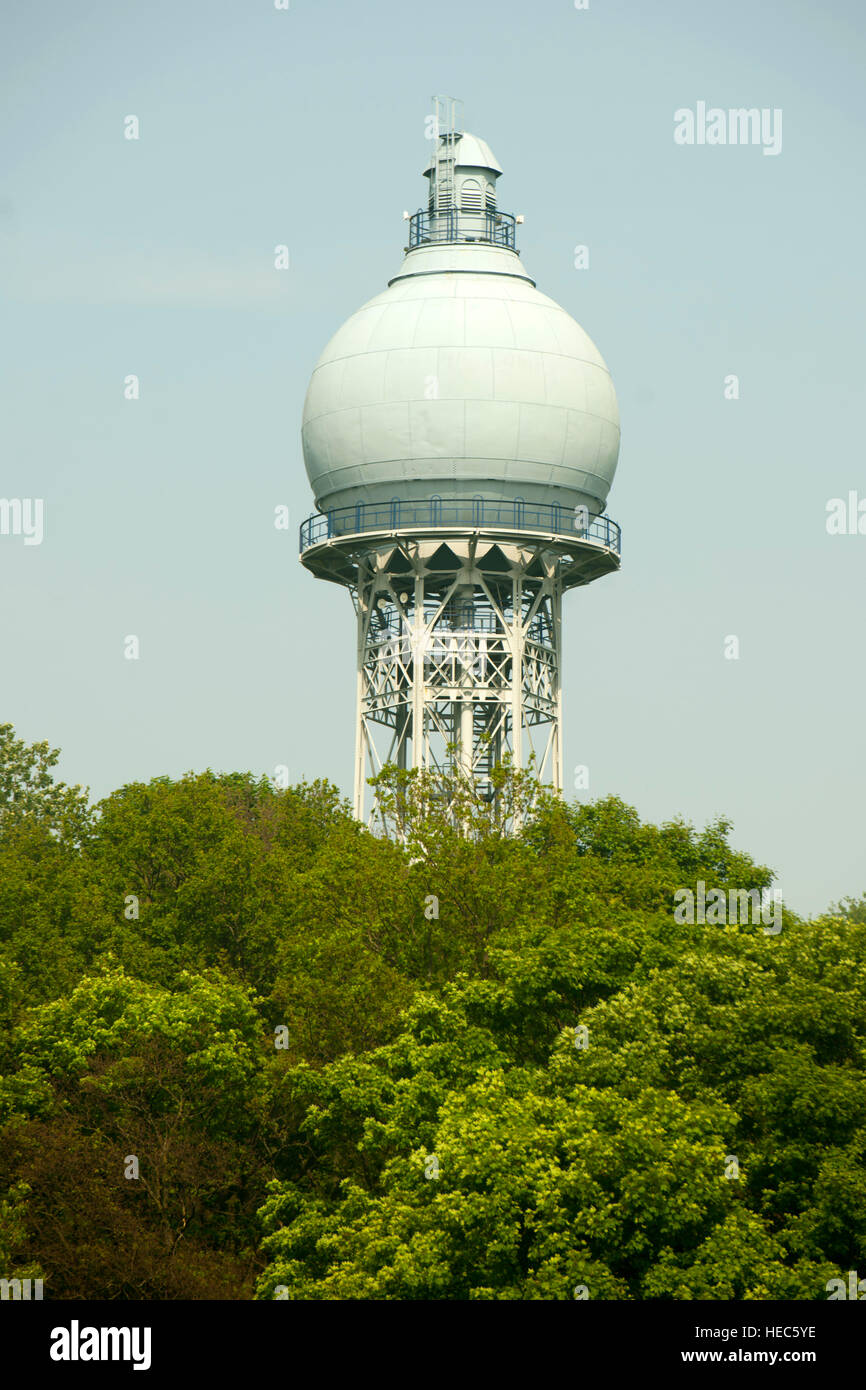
<point x="459" y="224"/>
<point x="470" y="621"/>
<point x="469" y="511"/>
<point x="484" y="623"/>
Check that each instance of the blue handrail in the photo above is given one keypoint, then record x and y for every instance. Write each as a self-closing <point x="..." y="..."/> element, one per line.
<point x="468" y="511"/>
<point x="461" y="224"/>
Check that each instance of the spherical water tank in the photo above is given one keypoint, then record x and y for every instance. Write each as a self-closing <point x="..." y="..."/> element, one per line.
<point x="461" y="380"/>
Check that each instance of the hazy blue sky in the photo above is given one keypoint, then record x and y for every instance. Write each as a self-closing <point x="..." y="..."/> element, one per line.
<point x="155" y="257"/>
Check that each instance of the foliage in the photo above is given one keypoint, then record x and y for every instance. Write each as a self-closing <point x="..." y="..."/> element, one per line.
<point x="480" y="1060"/>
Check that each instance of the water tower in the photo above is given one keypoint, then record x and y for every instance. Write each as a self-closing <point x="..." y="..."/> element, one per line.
<point x="460" y="435"/>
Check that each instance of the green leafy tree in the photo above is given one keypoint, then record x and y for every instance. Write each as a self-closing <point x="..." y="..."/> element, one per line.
<point x="477" y="1058"/>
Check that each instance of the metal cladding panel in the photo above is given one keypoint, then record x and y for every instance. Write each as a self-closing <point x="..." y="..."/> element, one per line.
<point x="492" y="430"/>
<point x="317" y="451"/>
<point x="572" y="341"/>
<point x="500" y="287"/>
<point x="437" y="430"/>
<point x="342" y="434"/>
<point x="585" y="443"/>
<point x="439" y="287"/>
<point x="322" y="391"/>
<point x="363" y="380"/>
<point x="465" y="373"/>
<point x="410" y="371"/>
<point x="541" y="439"/>
<point x="519" y="376"/>
<point x="532" y="326"/>
<point x="566" y="382"/>
<point x="439" y="323"/>
<point x="466" y="257"/>
<point x="600" y="396"/>
<point x="386" y="432"/>
<point x="488" y="324"/>
<point x="395" y="326"/>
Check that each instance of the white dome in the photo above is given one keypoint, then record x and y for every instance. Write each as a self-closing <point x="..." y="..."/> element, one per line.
<point x="471" y="151"/>
<point x="461" y="383"/>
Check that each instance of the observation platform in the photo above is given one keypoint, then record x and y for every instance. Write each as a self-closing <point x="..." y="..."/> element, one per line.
<point x="486" y="225"/>
<point x="333" y="543"/>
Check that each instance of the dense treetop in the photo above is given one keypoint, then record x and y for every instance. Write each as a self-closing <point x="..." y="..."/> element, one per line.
<point x="250" y="1049"/>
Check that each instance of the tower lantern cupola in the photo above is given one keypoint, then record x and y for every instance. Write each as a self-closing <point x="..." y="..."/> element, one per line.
<point x="462" y="173"/>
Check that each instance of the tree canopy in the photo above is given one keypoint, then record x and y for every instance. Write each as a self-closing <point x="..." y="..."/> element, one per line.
<point x="251" y="1049"/>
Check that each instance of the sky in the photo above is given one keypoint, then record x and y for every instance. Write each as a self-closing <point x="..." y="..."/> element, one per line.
<point x="305" y="127"/>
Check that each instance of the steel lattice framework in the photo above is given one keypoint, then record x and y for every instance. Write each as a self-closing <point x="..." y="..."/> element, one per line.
<point x="459" y="641"/>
